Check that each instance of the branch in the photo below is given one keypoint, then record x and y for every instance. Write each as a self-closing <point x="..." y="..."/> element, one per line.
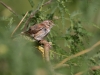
<point x="9" y="8"/>
<point x="33" y="13"/>
<point x="46" y="3"/>
<point x="19" y="24"/>
<point x="79" y="73"/>
<point x="92" y="68"/>
<point x="46" y="49"/>
<point x="46" y="54"/>
<point x="95" y="68"/>
<point x="76" y="55"/>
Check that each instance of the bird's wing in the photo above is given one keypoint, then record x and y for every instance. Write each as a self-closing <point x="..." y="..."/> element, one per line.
<point x="41" y="34"/>
<point x="36" y="28"/>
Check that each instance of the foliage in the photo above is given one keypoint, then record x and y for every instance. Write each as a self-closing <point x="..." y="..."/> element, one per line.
<point x="19" y="54"/>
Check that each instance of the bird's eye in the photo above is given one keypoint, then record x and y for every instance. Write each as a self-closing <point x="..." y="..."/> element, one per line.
<point x="29" y="29"/>
<point x="49" y="22"/>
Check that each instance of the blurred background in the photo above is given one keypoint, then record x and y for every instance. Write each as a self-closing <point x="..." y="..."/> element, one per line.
<point x="19" y="56"/>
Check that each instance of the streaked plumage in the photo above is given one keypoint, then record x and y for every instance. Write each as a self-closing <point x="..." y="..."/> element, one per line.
<point x="39" y="31"/>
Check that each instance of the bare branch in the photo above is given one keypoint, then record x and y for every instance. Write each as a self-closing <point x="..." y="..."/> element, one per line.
<point x="76" y="55"/>
<point x="48" y="2"/>
<point x="46" y="49"/>
<point x="46" y="54"/>
<point x="95" y="68"/>
<point x="79" y="73"/>
<point x="19" y="24"/>
<point x="92" y="68"/>
<point x="33" y="13"/>
<point x="9" y="8"/>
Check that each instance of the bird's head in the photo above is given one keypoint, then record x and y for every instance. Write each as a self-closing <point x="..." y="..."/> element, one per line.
<point x="48" y="23"/>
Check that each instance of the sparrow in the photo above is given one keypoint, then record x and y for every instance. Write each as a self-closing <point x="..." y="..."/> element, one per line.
<point x="39" y="31"/>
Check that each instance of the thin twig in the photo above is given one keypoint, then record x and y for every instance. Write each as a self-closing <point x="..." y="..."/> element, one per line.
<point x="46" y="54"/>
<point x="33" y="13"/>
<point x="92" y="68"/>
<point x="46" y="49"/>
<point x="95" y="68"/>
<point x="79" y="73"/>
<point x="9" y="8"/>
<point x="76" y="55"/>
<point x="48" y="2"/>
<point x="19" y="24"/>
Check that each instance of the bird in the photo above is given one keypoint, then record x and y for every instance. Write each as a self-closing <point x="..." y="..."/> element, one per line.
<point x="40" y="30"/>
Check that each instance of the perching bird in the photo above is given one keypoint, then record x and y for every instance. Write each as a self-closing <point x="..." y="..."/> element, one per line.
<point x="39" y="31"/>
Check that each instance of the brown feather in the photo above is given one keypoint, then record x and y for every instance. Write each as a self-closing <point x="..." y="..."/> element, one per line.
<point x="39" y="31"/>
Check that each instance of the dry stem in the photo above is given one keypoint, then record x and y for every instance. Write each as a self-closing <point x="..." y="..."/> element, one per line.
<point x="9" y="8"/>
<point x="76" y="55"/>
<point x="46" y="54"/>
<point x="19" y="24"/>
<point x="92" y="68"/>
<point x="46" y="49"/>
<point x="33" y="13"/>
